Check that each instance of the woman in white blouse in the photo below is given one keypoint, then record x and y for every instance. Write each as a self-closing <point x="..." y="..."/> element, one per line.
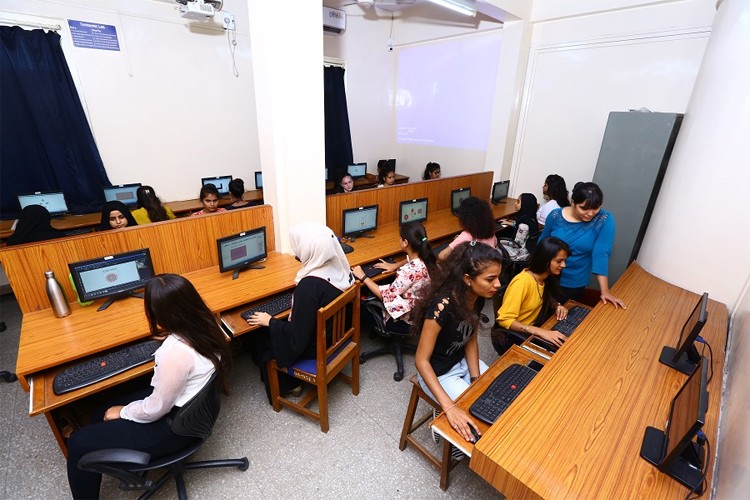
<point x="556" y="194"/>
<point x="193" y="349"/>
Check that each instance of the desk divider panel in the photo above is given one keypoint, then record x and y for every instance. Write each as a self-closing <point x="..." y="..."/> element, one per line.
<point x="437" y="191"/>
<point x="177" y="246"/>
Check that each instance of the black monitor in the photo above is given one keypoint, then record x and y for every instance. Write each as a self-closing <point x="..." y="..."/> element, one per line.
<point x="240" y="251"/>
<point x="358" y="221"/>
<point x="326" y="174"/>
<point x="221" y="182"/>
<point x="357" y="170"/>
<point x="258" y="180"/>
<point x="457" y="196"/>
<point x="413" y="211"/>
<point x="125" y="193"/>
<point x="684" y="356"/>
<point x="112" y="276"/>
<point x="500" y="191"/>
<point x="53" y="201"/>
<point x="673" y="451"/>
<point x="392" y="163"/>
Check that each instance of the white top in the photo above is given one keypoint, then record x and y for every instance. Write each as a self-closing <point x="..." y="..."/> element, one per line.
<point x="179" y="374"/>
<point x="545" y="210"/>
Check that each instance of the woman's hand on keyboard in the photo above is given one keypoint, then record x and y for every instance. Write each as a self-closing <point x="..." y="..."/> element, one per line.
<point x="259" y="319"/>
<point x="460" y="421"/>
<point x="561" y="312"/>
<point x="113" y="413"/>
<point x="551" y="336"/>
<point x="389" y="266"/>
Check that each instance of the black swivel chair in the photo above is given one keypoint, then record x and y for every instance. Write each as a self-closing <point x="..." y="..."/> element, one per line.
<point x="373" y="311"/>
<point x="196" y="418"/>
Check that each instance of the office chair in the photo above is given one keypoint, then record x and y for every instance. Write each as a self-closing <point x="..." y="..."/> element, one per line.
<point x="373" y="310"/>
<point x="196" y="418"/>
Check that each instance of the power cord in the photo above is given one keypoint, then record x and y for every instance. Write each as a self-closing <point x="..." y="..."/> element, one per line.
<point x="711" y="356"/>
<point x="232" y="40"/>
<point x="702" y="439"/>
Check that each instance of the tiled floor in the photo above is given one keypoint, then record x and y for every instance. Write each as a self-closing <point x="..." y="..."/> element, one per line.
<point x="289" y="456"/>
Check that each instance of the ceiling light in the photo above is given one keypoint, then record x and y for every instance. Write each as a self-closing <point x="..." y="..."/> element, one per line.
<point x="456" y="7"/>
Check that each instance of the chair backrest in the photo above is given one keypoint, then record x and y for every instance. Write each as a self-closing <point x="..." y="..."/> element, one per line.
<point x="344" y="327"/>
<point x="373" y="311"/>
<point x="197" y="417"/>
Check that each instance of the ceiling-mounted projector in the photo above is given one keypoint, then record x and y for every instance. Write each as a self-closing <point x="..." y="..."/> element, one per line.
<point x="199" y="9"/>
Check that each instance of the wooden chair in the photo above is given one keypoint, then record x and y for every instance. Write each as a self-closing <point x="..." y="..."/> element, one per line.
<point x="343" y="314"/>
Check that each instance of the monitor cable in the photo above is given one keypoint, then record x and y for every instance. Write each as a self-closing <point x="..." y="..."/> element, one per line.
<point x="702" y="439"/>
<point x="710" y="354"/>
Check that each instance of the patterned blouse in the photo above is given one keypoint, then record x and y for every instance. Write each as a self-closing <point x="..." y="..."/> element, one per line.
<point x="400" y="296"/>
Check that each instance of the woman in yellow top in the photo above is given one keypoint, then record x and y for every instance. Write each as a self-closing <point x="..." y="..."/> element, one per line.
<point x="149" y="206"/>
<point x="531" y="297"/>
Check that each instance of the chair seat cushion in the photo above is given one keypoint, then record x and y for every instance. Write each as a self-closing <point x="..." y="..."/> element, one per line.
<point x="310" y="365"/>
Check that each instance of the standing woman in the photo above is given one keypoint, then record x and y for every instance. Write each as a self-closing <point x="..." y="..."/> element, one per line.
<point x="194" y="348"/>
<point x="556" y="193"/>
<point x="115" y="215"/>
<point x="589" y="231"/>
<point x="34" y="225"/>
<point x="476" y="219"/>
<point x="149" y="207"/>
<point x="447" y="356"/>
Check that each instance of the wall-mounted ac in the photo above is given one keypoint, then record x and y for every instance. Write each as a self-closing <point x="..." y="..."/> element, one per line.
<point x="334" y="21"/>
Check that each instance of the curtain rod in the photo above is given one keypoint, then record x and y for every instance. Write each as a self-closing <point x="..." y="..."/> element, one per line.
<point x="29" y="24"/>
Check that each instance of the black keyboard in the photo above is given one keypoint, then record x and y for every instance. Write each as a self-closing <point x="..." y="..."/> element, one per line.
<point x="346" y="248"/>
<point x="371" y="271"/>
<point x="501" y="393"/>
<point x="103" y="366"/>
<point x="273" y="307"/>
<point x="576" y="314"/>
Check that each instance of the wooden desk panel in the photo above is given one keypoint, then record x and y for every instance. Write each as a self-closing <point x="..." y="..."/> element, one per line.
<point x="576" y="432"/>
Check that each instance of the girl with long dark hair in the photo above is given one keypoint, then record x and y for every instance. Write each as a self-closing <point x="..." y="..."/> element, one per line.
<point x="149" y="207"/>
<point x="478" y="224"/>
<point x="555" y="193"/>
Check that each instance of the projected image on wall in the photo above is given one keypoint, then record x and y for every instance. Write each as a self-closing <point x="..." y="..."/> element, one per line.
<point x="445" y="92"/>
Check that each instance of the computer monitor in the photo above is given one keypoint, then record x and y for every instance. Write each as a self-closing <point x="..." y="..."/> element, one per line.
<point x="240" y="251"/>
<point x="684" y="356"/>
<point x="53" y="201"/>
<point x="357" y="170"/>
<point x="673" y="451"/>
<point x="413" y="211"/>
<point x="457" y="196"/>
<point x="326" y="174"/>
<point x="358" y="221"/>
<point x="500" y="191"/>
<point x="392" y="163"/>
<point x="112" y="276"/>
<point x="125" y="193"/>
<point x="221" y="182"/>
<point x="258" y="180"/>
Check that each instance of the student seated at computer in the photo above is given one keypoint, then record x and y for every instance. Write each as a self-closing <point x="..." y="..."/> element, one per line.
<point x="237" y="190"/>
<point x="115" y="215"/>
<point x="149" y="208"/>
<point x="447" y="318"/>
<point x="400" y="296"/>
<point x="525" y="207"/>
<point x="209" y="197"/>
<point x="34" y="225"/>
<point x="386" y="173"/>
<point x="325" y="274"/>
<point x="478" y="224"/>
<point x="193" y="349"/>
<point x="431" y="171"/>
<point x="533" y="295"/>
<point x="345" y="185"/>
<point x="556" y="194"/>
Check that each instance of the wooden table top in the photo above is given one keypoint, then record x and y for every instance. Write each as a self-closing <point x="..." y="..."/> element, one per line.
<point x="576" y="430"/>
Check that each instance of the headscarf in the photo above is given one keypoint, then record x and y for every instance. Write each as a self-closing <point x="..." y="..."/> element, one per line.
<point x="34" y="225"/>
<point x="321" y="254"/>
<point x="120" y="207"/>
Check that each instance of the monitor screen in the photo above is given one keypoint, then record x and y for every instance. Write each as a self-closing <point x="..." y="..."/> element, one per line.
<point x="221" y="182"/>
<point x="357" y="170"/>
<point x="684" y="356"/>
<point x="125" y="193"/>
<point x="360" y="220"/>
<point x="687" y="414"/>
<point x="392" y="163"/>
<point x="241" y="250"/>
<point x="258" y="180"/>
<point x="112" y="275"/>
<point x="54" y="202"/>
<point x="413" y="211"/>
<point x="457" y="196"/>
<point x="500" y="191"/>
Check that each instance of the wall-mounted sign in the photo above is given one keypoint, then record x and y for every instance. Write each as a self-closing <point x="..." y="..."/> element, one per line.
<point x="93" y="35"/>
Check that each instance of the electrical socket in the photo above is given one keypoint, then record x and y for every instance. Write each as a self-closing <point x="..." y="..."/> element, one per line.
<point x="227" y="21"/>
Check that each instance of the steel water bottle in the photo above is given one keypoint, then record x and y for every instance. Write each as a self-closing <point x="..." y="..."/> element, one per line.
<point x="56" y="296"/>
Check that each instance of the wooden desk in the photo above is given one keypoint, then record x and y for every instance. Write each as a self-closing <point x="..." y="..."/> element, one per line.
<point x="576" y="430"/>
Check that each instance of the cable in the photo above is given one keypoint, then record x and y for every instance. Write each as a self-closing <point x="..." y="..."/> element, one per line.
<point x="232" y="47"/>
<point x="711" y="356"/>
<point x="707" y="459"/>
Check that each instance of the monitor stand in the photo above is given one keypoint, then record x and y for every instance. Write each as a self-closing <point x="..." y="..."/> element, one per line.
<point x="687" y="362"/>
<point x="686" y="468"/>
<point x="110" y="300"/>
<point x="500" y="202"/>
<point x="236" y="273"/>
<point x="353" y="237"/>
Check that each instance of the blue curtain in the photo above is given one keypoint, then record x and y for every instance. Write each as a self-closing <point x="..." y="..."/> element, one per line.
<point x="45" y="141"/>
<point x="338" y="136"/>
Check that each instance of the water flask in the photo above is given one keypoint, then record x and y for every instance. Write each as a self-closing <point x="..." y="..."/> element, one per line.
<point x="56" y="296"/>
<point x="522" y="234"/>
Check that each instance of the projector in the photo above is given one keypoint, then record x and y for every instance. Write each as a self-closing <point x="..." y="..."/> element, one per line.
<point x="197" y="9"/>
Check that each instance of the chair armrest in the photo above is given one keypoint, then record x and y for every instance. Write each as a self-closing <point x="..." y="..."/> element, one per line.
<point x="114" y="456"/>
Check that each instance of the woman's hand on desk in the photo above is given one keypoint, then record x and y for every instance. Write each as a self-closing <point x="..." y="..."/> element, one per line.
<point x="609" y="298"/>
<point x="259" y="319"/>
<point x="113" y="413"/>
<point x="460" y="421"/>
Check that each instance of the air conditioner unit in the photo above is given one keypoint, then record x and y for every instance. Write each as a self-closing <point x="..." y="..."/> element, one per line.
<point x="334" y="21"/>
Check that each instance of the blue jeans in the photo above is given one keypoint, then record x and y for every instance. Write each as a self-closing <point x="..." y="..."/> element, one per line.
<point x="454" y="381"/>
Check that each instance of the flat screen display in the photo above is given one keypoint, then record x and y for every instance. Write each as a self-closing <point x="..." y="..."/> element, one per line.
<point x="457" y="196"/>
<point x="687" y="415"/>
<point x="500" y="191"/>
<point x="112" y="275"/>
<point x="221" y="182"/>
<point x="692" y="326"/>
<point x="53" y="201"/>
<point x="126" y="193"/>
<point x="258" y="180"/>
<point x="360" y="220"/>
<point x="357" y="170"/>
<point x="242" y="249"/>
<point x="413" y="211"/>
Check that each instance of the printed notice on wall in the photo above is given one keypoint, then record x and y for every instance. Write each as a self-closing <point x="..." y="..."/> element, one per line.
<point x="93" y="35"/>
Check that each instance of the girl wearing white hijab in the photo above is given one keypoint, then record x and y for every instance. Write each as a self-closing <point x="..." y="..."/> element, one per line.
<point x="324" y="275"/>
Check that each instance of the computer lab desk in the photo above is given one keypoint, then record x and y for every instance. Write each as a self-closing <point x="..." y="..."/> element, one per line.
<point x="576" y="430"/>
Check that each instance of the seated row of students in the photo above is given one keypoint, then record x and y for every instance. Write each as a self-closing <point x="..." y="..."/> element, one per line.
<point x="386" y="176"/>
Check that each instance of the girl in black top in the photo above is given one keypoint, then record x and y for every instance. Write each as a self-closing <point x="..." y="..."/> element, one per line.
<point x="34" y="225"/>
<point x="526" y="207"/>
<point x="115" y="215"/>
<point x="447" y="356"/>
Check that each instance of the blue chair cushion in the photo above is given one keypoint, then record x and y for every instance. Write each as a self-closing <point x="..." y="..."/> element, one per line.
<point x="310" y="365"/>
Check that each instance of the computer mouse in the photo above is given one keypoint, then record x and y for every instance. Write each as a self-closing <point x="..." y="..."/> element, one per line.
<point x="475" y="433"/>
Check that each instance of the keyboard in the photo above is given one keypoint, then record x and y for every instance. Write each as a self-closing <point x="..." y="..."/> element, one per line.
<point x="371" y="271"/>
<point x="501" y="393"/>
<point x="102" y="366"/>
<point x="576" y="314"/>
<point x="273" y="307"/>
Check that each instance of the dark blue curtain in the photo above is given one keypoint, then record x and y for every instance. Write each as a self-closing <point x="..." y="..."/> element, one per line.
<point x="338" y="136"/>
<point x="45" y="141"/>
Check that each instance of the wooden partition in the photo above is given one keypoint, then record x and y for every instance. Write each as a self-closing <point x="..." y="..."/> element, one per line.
<point x="438" y="191"/>
<point x="177" y="246"/>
